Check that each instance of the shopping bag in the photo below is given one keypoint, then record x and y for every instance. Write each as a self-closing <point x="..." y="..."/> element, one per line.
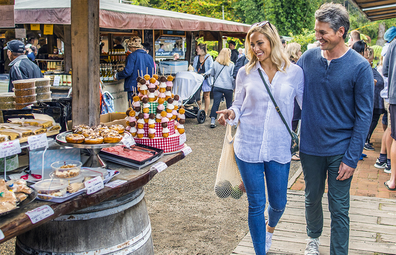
<point x="228" y="180"/>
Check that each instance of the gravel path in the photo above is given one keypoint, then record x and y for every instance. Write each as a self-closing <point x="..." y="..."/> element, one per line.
<point x="186" y="215"/>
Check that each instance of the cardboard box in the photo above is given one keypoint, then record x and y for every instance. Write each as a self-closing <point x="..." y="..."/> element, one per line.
<point x="113" y="118"/>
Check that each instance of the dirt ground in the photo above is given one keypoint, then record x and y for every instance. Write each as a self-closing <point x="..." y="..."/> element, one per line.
<point x="186" y="216"/>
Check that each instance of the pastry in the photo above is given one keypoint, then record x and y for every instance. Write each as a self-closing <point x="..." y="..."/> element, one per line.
<point x="93" y="139"/>
<point x="74" y="187"/>
<point x="151" y="133"/>
<point x="165" y="132"/>
<point x="75" y="138"/>
<point x="140" y="133"/>
<point x="119" y="128"/>
<point x="112" y="137"/>
<point x="180" y="128"/>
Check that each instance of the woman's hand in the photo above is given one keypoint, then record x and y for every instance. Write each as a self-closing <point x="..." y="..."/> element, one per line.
<point x="225" y="115"/>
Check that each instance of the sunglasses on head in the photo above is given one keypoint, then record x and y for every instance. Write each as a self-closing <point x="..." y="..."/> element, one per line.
<point x="262" y="24"/>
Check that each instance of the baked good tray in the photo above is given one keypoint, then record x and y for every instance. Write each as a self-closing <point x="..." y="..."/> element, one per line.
<point x="61" y="138"/>
<point x="32" y="196"/>
<point x="135" y="149"/>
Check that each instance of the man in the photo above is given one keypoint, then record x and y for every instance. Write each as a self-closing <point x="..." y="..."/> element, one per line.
<point x="389" y="71"/>
<point x="118" y="43"/>
<point x="43" y="48"/>
<point x="353" y="37"/>
<point x="336" y="115"/>
<point x="20" y="66"/>
<point x="234" y="52"/>
<point x="161" y="49"/>
<point x="137" y="61"/>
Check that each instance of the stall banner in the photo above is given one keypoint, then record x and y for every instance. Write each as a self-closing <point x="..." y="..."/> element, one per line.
<point x="34" y="26"/>
<point x="7" y="16"/>
<point x="50" y="156"/>
<point x="48" y="29"/>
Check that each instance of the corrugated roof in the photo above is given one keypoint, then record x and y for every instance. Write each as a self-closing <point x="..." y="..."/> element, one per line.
<point x="377" y="10"/>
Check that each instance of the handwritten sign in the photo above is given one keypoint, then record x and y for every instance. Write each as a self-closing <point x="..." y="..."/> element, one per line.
<point x="9" y="148"/>
<point x="160" y="166"/>
<point x="56" y="80"/>
<point x="94" y="185"/>
<point x="34" y="26"/>
<point x="128" y="141"/>
<point x="37" y="141"/>
<point x="1" y="235"/>
<point x="115" y="183"/>
<point x="186" y="150"/>
<point x="48" y="29"/>
<point x="182" y="138"/>
<point x="40" y="213"/>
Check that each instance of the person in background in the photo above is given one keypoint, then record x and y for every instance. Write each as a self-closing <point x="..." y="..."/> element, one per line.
<point x="283" y="42"/>
<point x="360" y="47"/>
<point x="118" y="43"/>
<point x="20" y="66"/>
<point x="146" y="47"/>
<point x="262" y="141"/>
<point x="378" y="101"/>
<point x="43" y="47"/>
<point x="234" y="52"/>
<point x="389" y="71"/>
<point x="338" y="105"/>
<point x="354" y="36"/>
<point x="138" y="60"/>
<point x="293" y="51"/>
<point x="31" y="51"/>
<point x="203" y="64"/>
<point x="176" y="56"/>
<point x="240" y="62"/>
<point x="241" y="53"/>
<point x="223" y="82"/>
<point x="161" y="48"/>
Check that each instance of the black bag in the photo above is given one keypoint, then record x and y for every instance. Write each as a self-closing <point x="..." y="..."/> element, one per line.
<point x="60" y="110"/>
<point x="211" y="91"/>
<point x="294" y="136"/>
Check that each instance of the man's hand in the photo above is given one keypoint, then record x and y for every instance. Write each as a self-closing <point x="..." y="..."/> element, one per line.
<point x="225" y="115"/>
<point x="344" y="172"/>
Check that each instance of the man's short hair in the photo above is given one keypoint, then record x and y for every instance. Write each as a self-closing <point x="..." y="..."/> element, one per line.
<point x="118" y="38"/>
<point x="231" y="43"/>
<point x="355" y="35"/>
<point x="334" y="14"/>
<point x="146" y="46"/>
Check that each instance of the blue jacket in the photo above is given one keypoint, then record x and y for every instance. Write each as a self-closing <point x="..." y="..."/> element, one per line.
<point x="138" y="60"/>
<point x="22" y="68"/>
<point x="208" y="67"/>
<point x="337" y="105"/>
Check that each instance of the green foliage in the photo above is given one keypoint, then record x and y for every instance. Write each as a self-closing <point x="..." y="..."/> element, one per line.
<point x="249" y="11"/>
<point x="213" y="53"/>
<point x="305" y="38"/>
<point x="377" y="53"/>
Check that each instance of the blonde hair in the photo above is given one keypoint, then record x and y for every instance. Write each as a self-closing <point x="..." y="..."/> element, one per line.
<point x="292" y="50"/>
<point x="370" y="52"/>
<point x="277" y="55"/>
<point x="224" y="57"/>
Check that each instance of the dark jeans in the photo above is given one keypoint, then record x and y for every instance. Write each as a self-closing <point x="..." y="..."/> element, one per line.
<point x="374" y="122"/>
<point x="217" y="95"/>
<point x="315" y="169"/>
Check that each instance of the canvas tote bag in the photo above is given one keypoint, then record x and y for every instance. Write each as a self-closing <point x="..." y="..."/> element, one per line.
<point x="228" y="180"/>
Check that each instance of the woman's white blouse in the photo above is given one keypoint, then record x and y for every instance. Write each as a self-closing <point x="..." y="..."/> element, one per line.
<point x="261" y="135"/>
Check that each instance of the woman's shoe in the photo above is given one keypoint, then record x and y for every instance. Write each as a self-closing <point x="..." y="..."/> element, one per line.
<point x="296" y="157"/>
<point x="213" y="122"/>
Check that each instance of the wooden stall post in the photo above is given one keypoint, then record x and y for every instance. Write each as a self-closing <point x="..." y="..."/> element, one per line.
<point x="85" y="61"/>
<point x="68" y="50"/>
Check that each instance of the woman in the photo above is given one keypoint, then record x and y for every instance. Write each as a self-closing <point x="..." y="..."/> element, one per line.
<point x="293" y="50"/>
<point x="202" y="64"/>
<point x="222" y="72"/>
<point x="262" y="142"/>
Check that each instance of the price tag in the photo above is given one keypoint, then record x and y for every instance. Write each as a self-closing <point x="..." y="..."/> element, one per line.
<point x="56" y="80"/>
<point x="182" y="138"/>
<point x="160" y="166"/>
<point x="1" y="235"/>
<point x="186" y="150"/>
<point x="40" y="213"/>
<point x="128" y="141"/>
<point x="37" y="141"/>
<point x="94" y="185"/>
<point x="115" y="183"/>
<point x="9" y="148"/>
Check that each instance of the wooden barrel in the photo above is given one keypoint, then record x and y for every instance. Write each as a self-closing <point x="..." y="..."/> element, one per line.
<point x="119" y="226"/>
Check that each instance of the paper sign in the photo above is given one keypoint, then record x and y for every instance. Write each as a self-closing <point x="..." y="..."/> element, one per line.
<point x="128" y="141"/>
<point x="34" y="26"/>
<point x="48" y="29"/>
<point x="9" y="148"/>
<point x="20" y="33"/>
<point x="1" y="235"/>
<point x="115" y="183"/>
<point x="56" y="80"/>
<point x="182" y="138"/>
<point x="37" y="141"/>
<point x="94" y="185"/>
<point x="160" y="166"/>
<point x="40" y="213"/>
<point x="186" y="150"/>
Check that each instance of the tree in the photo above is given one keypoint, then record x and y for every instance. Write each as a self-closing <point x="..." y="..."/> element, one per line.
<point x="249" y="11"/>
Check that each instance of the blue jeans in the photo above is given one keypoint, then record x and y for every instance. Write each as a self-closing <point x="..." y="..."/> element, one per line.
<point x="276" y="176"/>
<point x="316" y="169"/>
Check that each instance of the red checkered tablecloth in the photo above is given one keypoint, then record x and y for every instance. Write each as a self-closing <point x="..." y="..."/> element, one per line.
<point x="170" y="144"/>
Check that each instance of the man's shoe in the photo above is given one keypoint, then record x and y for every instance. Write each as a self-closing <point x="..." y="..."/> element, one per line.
<point x="312" y="247"/>
<point x="268" y="241"/>
<point x="368" y="147"/>
<point x="213" y="122"/>
<point x="387" y="169"/>
<point x="379" y="164"/>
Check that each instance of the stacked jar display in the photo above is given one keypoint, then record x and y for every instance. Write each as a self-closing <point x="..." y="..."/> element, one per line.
<point x="43" y="89"/>
<point x="25" y="93"/>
